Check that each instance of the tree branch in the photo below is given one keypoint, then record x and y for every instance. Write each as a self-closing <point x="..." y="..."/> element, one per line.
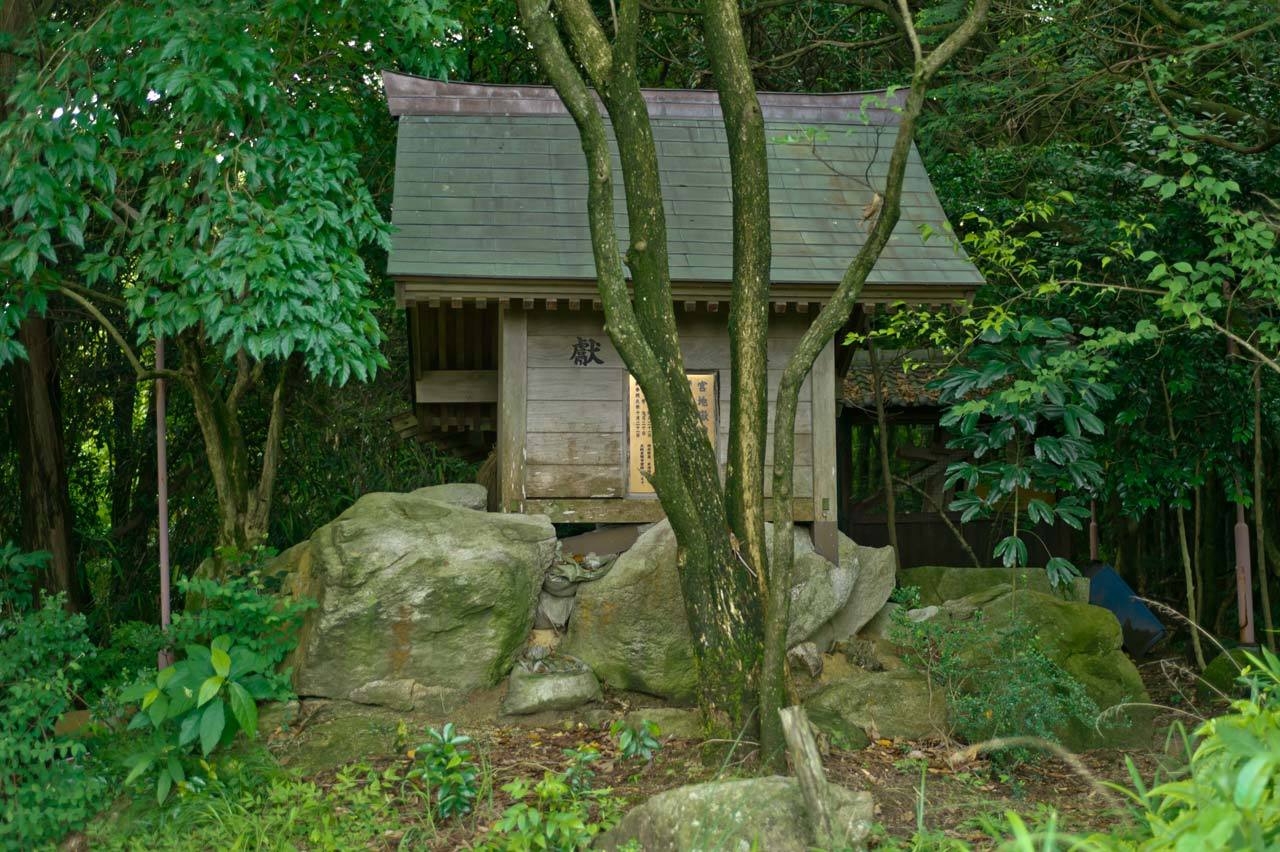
<point x="140" y="372"/>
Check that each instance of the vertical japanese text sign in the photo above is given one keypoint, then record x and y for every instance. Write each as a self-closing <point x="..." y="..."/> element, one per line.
<point x="705" y="389"/>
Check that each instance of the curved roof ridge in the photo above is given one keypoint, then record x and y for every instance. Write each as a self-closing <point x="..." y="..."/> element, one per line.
<point x="408" y="94"/>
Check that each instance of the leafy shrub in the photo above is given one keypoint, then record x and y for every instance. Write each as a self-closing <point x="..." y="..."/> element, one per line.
<point x="129" y="652"/>
<point x="550" y="816"/>
<point x="46" y="787"/>
<point x="1226" y="797"/>
<point x="446" y="766"/>
<point x="247" y="607"/>
<point x="998" y="683"/>
<point x="637" y="741"/>
<point x="579" y="774"/>
<point x="206" y="698"/>
<point x="1230" y="796"/>
<point x="251" y="803"/>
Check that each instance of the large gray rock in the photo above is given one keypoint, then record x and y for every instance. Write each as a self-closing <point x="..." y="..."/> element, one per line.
<point x="419" y="601"/>
<point x="680" y="722"/>
<point x="818" y="588"/>
<point x="631" y="628"/>
<point x="896" y="704"/>
<point x="874" y="571"/>
<point x="756" y="813"/>
<point x="468" y="495"/>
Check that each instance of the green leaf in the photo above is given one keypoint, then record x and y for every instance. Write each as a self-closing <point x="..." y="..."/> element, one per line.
<point x="140" y="767"/>
<point x="212" y="721"/>
<point x="208" y="689"/>
<point x="1252" y="781"/>
<point x="221" y="661"/>
<point x="189" y="729"/>
<point x="163" y="784"/>
<point x="138" y="691"/>
<point x="244" y="708"/>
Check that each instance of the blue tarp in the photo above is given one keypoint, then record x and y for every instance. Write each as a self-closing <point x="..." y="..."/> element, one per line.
<point x="1142" y="630"/>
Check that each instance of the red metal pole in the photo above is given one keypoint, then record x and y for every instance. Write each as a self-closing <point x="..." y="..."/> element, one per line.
<point x="1244" y="577"/>
<point x="162" y="500"/>
<point x="1244" y="561"/>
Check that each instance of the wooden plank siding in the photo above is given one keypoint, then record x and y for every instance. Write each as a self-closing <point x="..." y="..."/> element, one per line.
<point x="576" y="415"/>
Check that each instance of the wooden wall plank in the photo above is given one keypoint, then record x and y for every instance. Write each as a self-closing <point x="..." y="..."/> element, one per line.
<point x="576" y="384"/>
<point x="512" y="410"/>
<point x="457" y="386"/>
<point x="573" y="480"/>
<point x="628" y="511"/>
<point x="584" y="448"/>
<point x="574" y="417"/>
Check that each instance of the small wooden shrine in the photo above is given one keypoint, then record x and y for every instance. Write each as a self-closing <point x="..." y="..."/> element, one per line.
<point x="493" y="265"/>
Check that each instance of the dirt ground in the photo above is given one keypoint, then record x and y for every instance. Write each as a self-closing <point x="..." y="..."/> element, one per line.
<point x="915" y="784"/>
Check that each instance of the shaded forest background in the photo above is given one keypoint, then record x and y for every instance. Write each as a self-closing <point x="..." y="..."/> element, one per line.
<point x="1053" y="98"/>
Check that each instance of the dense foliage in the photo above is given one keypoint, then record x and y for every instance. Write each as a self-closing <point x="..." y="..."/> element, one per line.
<point x="998" y="682"/>
<point x="46" y="787"/>
<point x="219" y="175"/>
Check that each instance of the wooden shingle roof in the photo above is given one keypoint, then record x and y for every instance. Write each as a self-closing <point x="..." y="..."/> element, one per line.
<point x="491" y="185"/>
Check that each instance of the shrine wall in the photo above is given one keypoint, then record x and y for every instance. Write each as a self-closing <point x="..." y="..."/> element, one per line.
<point x="576" y="424"/>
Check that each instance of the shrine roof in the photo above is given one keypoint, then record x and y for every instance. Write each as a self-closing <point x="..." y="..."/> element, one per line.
<point x="491" y="184"/>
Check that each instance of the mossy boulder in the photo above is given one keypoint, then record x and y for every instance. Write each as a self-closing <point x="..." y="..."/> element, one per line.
<point x="897" y="704"/>
<point x="755" y="813"/>
<point x="1085" y="641"/>
<point x="1221" y="674"/>
<point x="630" y="626"/>
<point x="420" y="601"/>
<point x="938" y="584"/>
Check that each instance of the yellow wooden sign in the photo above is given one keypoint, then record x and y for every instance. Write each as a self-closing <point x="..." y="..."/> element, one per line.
<point x="705" y="388"/>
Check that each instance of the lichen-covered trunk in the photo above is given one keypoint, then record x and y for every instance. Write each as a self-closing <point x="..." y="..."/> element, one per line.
<point x="829" y="321"/>
<point x="721" y="596"/>
<point x="752" y="256"/>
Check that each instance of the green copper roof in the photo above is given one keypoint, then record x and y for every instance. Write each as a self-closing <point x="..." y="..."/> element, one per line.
<point x="504" y="197"/>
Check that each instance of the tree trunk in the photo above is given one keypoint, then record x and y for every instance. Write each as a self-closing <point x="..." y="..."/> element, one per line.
<point x="752" y="253"/>
<point x="244" y="505"/>
<point x="1196" y="547"/>
<point x="886" y="468"/>
<point x="1193" y="614"/>
<point x="36" y="419"/>
<point x="721" y="594"/>
<point x="47" y="520"/>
